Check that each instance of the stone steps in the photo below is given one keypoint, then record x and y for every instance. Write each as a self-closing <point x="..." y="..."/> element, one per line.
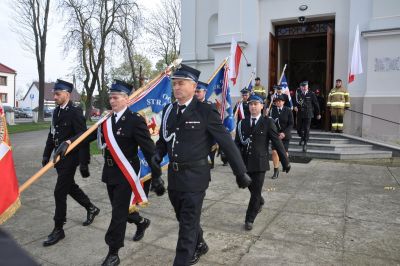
<point x="326" y="145"/>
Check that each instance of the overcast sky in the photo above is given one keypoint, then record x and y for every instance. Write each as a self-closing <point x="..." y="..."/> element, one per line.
<point x="13" y="55"/>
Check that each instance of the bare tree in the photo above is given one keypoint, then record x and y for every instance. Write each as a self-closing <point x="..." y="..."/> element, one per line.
<point x="91" y="28"/>
<point x="127" y="28"/>
<point x="164" y="26"/>
<point x="31" y="23"/>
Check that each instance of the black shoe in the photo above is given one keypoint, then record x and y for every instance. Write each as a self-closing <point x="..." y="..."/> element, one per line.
<point x="54" y="237"/>
<point x="91" y="213"/>
<point x="262" y="201"/>
<point x="201" y="249"/>
<point x="276" y="173"/>
<point x="305" y="147"/>
<point x="301" y="142"/>
<point x="141" y="228"/>
<point x="248" y="226"/>
<point x="111" y="260"/>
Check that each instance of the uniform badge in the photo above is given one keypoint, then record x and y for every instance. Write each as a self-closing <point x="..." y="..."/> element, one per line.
<point x="123" y="118"/>
<point x="119" y="130"/>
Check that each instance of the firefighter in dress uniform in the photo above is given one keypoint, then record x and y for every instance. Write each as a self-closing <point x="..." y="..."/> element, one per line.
<point x="188" y="130"/>
<point x="68" y="123"/>
<point x="252" y="137"/>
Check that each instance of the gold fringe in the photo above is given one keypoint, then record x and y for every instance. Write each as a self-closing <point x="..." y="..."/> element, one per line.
<point x="10" y="211"/>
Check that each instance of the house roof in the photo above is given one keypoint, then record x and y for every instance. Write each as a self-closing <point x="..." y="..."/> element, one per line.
<point x="6" y="69"/>
<point x="48" y="92"/>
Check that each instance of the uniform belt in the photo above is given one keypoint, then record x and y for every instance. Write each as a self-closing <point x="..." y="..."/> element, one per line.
<point x="187" y="165"/>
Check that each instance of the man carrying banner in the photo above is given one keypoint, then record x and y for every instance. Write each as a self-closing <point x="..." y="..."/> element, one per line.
<point x="187" y="132"/>
<point x="252" y="137"/>
<point x="68" y="123"/>
<point x="122" y="134"/>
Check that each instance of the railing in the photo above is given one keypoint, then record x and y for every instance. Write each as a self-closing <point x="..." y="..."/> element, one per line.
<point x="380" y="118"/>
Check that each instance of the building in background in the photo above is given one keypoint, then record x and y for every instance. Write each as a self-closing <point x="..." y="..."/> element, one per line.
<point x="31" y="98"/>
<point x="7" y="85"/>
<point x="315" y="39"/>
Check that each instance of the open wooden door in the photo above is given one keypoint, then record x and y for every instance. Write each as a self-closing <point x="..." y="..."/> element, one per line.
<point x="329" y="74"/>
<point x="273" y="61"/>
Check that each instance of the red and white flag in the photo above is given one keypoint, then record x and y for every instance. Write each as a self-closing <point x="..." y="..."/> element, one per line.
<point x="356" y="64"/>
<point x="234" y="61"/>
<point x="9" y="193"/>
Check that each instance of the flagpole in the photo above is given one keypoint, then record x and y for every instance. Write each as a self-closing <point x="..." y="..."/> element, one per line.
<point x="279" y="82"/>
<point x="82" y="137"/>
<point x="218" y="69"/>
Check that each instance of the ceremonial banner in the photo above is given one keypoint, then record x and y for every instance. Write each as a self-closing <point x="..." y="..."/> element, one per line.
<point x="285" y="89"/>
<point x="218" y="91"/>
<point x="150" y="105"/>
<point x="9" y="195"/>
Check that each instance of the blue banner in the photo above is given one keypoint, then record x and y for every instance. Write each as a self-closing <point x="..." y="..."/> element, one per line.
<point x="150" y="105"/>
<point x="216" y="90"/>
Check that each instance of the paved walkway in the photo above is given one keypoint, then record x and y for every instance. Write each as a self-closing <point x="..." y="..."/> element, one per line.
<point x="322" y="213"/>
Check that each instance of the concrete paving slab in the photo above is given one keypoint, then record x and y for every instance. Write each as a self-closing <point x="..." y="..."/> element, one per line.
<point x="314" y="230"/>
<point x="317" y="203"/>
<point x="374" y="203"/>
<point x="351" y="258"/>
<point x="278" y="252"/>
<point x="372" y="239"/>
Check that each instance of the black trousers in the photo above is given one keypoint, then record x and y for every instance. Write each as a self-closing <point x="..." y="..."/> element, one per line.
<point x="66" y="186"/>
<point x="187" y="206"/>
<point x="303" y="128"/>
<point x="255" y="188"/>
<point x="119" y="195"/>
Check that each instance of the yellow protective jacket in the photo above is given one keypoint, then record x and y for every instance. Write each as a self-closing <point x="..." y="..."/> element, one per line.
<point x="338" y="98"/>
<point x="260" y="91"/>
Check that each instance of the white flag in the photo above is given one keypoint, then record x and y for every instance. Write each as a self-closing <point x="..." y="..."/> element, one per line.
<point x="356" y="64"/>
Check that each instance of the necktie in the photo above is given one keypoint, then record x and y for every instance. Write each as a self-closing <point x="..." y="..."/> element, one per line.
<point x="279" y="110"/>
<point x="253" y="122"/>
<point x="180" y="109"/>
<point x="114" y="118"/>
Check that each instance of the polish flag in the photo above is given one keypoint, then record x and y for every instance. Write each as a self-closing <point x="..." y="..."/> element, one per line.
<point x="9" y="194"/>
<point x="234" y="62"/>
<point x="356" y="64"/>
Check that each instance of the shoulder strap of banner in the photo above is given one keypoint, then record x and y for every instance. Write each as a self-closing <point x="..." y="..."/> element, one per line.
<point x="123" y="163"/>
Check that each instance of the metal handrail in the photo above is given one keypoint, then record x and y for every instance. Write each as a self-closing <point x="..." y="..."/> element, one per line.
<point x="380" y="118"/>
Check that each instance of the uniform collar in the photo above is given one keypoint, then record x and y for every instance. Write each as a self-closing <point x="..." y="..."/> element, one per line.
<point x="256" y="117"/>
<point x="119" y="114"/>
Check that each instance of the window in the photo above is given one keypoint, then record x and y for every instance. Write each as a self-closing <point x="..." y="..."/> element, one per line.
<point x="3" y="80"/>
<point x="3" y="97"/>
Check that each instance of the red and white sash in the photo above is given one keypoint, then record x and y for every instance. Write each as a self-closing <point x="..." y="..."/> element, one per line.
<point x="133" y="179"/>
<point x="241" y="111"/>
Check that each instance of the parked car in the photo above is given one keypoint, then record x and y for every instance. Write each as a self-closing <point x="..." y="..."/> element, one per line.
<point x="28" y="112"/>
<point x="48" y="112"/>
<point x="20" y="113"/>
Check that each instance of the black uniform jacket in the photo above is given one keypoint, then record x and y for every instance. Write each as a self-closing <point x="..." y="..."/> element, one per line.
<point x="67" y="124"/>
<point x="283" y="120"/>
<point x="196" y="131"/>
<point x="307" y="104"/>
<point x="255" y="153"/>
<point x="130" y="131"/>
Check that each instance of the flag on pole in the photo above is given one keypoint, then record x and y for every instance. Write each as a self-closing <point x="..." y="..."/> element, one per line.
<point x="234" y="61"/>
<point x="150" y="104"/>
<point x="356" y="64"/>
<point x="9" y="194"/>
<point x="285" y="89"/>
<point x="218" y="91"/>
